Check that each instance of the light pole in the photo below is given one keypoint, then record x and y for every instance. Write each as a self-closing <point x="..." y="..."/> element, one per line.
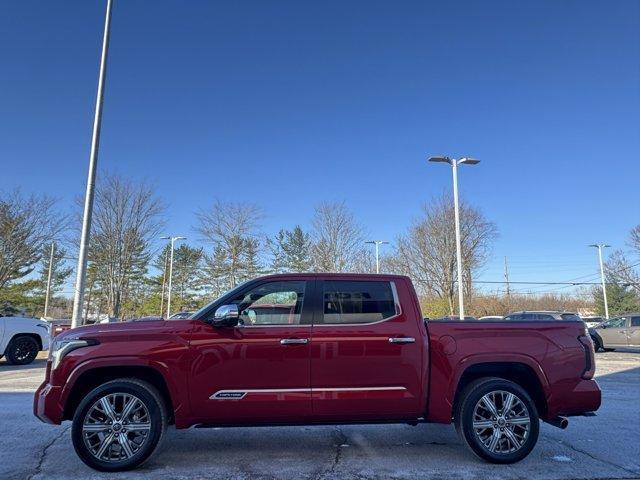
<point x="46" y="297"/>
<point x="81" y="274"/>
<point x="377" y="243"/>
<point x="454" y="167"/>
<point x="600" y="246"/>
<point x="172" y="241"/>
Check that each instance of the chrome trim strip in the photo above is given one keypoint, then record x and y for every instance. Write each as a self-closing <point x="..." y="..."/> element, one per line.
<point x="240" y="394"/>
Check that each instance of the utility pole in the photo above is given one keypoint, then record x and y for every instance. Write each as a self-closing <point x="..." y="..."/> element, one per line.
<point x="456" y="209"/>
<point x="377" y="243"/>
<point x="506" y="280"/>
<point x="46" y="297"/>
<point x="506" y="276"/>
<point x="81" y="274"/>
<point x="600" y="246"/>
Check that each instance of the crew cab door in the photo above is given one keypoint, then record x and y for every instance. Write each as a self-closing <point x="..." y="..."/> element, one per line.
<point x="258" y="371"/>
<point x="367" y="352"/>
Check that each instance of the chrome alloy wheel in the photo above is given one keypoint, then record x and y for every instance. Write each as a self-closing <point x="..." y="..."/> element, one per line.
<point x="116" y="426"/>
<point x="501" y="422"/>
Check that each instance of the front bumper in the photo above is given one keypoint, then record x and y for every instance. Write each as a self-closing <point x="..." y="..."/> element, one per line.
<point x="46" y="404"/>
<point x="585" y="396"/>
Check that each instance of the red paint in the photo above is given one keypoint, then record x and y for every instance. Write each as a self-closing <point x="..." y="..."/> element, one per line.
<point x="345" y="372"/>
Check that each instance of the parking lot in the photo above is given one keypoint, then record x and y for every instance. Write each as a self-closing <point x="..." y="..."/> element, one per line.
<point x="591" y="448"/>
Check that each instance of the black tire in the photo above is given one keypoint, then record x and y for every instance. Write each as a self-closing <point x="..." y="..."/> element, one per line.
<point x="464" y="417"/>
<point x="22" y="350"/>
<point x="596" y="344"/>
<point x="157" y="420"/>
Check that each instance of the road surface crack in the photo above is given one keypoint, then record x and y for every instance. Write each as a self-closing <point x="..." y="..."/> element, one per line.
<point x="341" y="443"/>
<point x="45" y="450"/>
<point x="597" y="459"/>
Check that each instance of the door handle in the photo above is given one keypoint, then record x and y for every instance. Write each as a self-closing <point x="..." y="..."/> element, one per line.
<point x="294" y="341"/>
<point x="402" y="340"/>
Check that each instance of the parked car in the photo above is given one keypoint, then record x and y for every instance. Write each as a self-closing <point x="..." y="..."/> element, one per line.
<point x="542" y="316"/>
<point x="356" y="351"/>
<point x="617" y="332"/>
<point x="22" y="338"/>
<point x="491" y="318"/>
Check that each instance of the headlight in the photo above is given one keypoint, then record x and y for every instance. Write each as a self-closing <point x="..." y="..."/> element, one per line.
<point x="60" y="348"/>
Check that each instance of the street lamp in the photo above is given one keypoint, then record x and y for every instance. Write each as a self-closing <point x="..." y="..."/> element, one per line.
<point x="377" y="243"/>
<point x="81" y="274"/>
<point x="600" y="246"/>
<point x="172" y="241"/>
<point x="454" y="167"/>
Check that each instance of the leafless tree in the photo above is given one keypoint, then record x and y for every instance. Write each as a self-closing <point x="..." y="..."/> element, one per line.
<point x="27" y="225"/>
<point x="126" y="220"/>
<point x="338" y="239"/>
<point x="634" y="239"/>
<point x="231" y="227"/>
<point x="619" y="269"/>
<point x="427" y="252"/>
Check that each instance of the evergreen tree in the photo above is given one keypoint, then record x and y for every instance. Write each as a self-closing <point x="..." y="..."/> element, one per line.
<point x="297" y="250"/>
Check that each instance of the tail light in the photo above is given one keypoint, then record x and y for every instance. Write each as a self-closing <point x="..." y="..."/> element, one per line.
<point x="589" y="357"/>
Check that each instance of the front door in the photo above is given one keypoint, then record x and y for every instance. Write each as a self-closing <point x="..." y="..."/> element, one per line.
<point x="614" y="333"/>
<point x="367" y="354"/>
<point x="257" y="372"/>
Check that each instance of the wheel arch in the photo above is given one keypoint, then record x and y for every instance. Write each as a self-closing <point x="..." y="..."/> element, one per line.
<point x="518" y="372"/>
<point x="35" y="336"/>
<point x="90" y="378"/>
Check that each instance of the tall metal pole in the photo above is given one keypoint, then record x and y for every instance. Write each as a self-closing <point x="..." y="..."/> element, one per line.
<point x="164" y="281"/>
<point x="600" y="246"/>
<point x="377" y="243"/>
<point x="81" y="274"/>
<point x="454" y="167"/>
<point x="173" y="239"/>
<point x="46" y="297"/>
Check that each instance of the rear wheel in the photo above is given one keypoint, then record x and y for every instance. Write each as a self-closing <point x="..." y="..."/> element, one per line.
<point x="498" y="420"/>
<point x="22" y="350"/>
<point x="119" y="425"/>
<point x="596" y="344"/>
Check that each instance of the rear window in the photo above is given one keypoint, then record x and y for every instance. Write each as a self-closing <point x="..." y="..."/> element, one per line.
<point x="357" y="302"/>
<point x="572" y="317"/>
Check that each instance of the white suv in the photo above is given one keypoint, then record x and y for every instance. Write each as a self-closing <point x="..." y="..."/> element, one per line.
<point x="22" y="338"/>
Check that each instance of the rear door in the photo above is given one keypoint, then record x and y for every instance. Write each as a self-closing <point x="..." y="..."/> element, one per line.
<point x="633" y="333"/>
<point x="367" y="353"/>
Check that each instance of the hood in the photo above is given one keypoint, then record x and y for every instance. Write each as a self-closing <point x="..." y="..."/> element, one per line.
<point x="99" y="330"/>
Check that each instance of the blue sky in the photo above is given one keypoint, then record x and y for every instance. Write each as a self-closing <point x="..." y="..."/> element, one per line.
<point x="286" y="104"/>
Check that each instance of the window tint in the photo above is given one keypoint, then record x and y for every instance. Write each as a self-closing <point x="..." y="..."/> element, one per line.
<point x="274" y="303"/>
<point x="635" y="321"/>
<point x="357" y="302"/>
<point x="571" y="317"/>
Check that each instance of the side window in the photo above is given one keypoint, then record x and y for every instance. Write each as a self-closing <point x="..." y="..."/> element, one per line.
<point x="357" y="302"/>
<point x="544" y="317"/>
<point x="619" y="322"/>
<point x="274" y="303"/>
<point x="571" y="317"/>
<point x="528" y="317"/>
<point x="635" y="321"/>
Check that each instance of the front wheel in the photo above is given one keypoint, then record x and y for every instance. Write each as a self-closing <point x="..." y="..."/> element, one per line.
<point x="22" y="350"/>
<point x="498" y="420"/>
<point x="119" y="425"/>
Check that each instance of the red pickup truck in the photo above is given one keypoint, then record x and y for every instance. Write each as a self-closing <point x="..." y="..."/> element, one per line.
<point x="348" y="349"/>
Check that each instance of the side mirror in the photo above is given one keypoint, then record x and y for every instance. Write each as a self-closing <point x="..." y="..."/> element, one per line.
<point x="226" y="316"/>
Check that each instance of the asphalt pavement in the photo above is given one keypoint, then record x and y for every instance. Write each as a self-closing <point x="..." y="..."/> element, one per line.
<point x="601" y="447"/>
